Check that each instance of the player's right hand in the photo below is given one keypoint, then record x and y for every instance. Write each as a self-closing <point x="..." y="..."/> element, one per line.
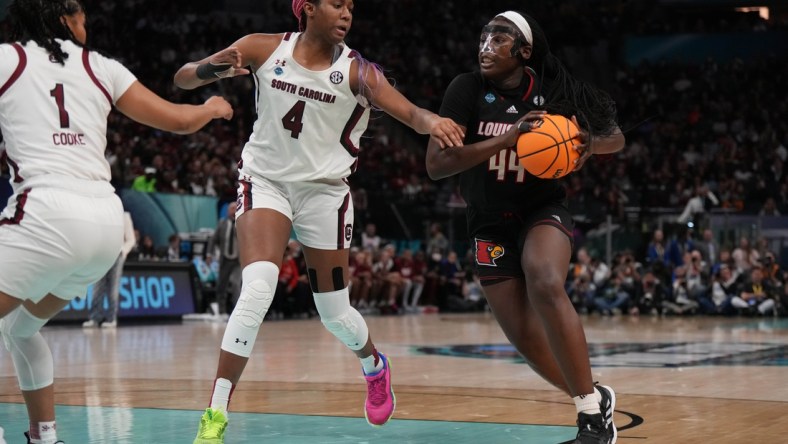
<point x="526" y="123"/>
<point x="221" y="107"/>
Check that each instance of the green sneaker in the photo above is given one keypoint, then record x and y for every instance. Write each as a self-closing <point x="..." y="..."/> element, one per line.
<point x="212" y="426"/>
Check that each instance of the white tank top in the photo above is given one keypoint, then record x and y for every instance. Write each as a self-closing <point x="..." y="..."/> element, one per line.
<point x="54" y="117"/>
<point x="308" y="122"/>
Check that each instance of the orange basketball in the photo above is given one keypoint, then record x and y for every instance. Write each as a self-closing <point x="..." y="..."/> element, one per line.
<point x="546" y="151"/>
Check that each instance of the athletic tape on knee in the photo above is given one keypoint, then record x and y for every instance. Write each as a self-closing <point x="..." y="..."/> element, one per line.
<point x="342" y="320"/>
<point x="29" y="350"/>
<point x="257" y="293"/>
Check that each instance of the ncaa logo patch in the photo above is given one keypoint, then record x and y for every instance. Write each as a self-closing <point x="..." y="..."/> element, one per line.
<point x="538" y="100"/>
<point x="487" y="252"/>
<point x="490" y="97"/>
<point x="336" y="77"/>
<point x="278" y="70"/>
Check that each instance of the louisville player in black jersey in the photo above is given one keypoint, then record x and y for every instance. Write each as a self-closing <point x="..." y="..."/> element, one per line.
<point x="519" y="224"/>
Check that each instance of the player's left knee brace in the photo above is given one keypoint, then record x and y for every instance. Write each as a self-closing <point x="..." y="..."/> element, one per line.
<point x="342" y="320"/>
<point x="29" y="351"/>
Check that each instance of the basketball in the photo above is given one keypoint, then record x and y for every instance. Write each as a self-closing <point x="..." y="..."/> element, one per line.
<point x="546" y="152"/>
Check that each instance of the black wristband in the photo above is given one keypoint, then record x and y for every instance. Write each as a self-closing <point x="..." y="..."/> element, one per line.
<point x="207" y="71"/>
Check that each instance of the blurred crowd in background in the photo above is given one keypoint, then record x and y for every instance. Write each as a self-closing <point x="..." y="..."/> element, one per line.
<point x="702" y="136"/>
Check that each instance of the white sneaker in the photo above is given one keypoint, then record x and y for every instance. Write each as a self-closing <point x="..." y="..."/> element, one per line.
<point x="108" y="324"/>
<point x="87" y="324"/>
<point x="2" y="441"/>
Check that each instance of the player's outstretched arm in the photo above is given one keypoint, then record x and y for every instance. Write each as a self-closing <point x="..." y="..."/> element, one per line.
<point x="144" y="106"/>
<point x="444" y="162"/>
<point x="384" y="96"/>
<point x="249" y="51"/>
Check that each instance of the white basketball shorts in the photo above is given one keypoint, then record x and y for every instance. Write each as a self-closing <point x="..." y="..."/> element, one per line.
<point x="58" y="241"/>
<point x="321" y="211"/>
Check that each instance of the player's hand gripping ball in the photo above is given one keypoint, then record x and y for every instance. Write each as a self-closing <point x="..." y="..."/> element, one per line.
<point x="546" y="151"/>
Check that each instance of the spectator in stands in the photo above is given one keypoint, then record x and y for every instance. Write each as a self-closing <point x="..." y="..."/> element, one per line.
<point x="419" y="279"/>
<point x="286" y="299"/>
<point x="361" y="278"/>
<point x="709" y="248"/>
<point x="145" y="183"/>
<point x="696" y="275"/>
<point x="769" y="208"/>
<point x="681" y="244"/>
<point x="582" y="291"/>
<point x="756" y="296"/>
<point x="613" y="297"/>
<point x="697" y="208"/>
<point x="650" y="298"/>
<point x="388" y="281"/>
<point x="451" y="276"/>
<point x="223" y="246"/>
<point x="174" y="248"/>
<point x="724" y="288"/>
<point x="108" y="287"/>
<point x="656" y="250"/>
<point x="370" y="240"/>
<point x="437" y="243"/>
<point x="147" y="249"/>
<point x="744" y="256"/>
<point x="628" y="270"/>
<point x="680" y="302"/>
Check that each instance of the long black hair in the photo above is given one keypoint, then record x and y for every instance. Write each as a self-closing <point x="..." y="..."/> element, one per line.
<point x="566" y="95"/>
<point x="40" y="21"/>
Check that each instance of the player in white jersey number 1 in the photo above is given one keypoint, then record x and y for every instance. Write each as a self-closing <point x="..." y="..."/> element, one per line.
<point x="313" y="100"/>
<point x="63" y="227"/>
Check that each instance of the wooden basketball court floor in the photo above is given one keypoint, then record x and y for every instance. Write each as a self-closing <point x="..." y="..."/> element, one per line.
<point x="678" y="380"/>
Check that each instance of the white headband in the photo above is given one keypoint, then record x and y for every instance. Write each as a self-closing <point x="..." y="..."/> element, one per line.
<point x="521" y="24"/>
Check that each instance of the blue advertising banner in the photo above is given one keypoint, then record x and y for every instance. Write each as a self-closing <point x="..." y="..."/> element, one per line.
<point x="147" y="289"/>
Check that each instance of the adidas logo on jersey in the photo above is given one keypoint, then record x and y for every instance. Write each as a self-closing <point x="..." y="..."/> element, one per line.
<point x="511" y="110"/>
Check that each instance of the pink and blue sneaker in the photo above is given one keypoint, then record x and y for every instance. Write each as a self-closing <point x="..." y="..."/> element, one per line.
<point x="381" y="401"/>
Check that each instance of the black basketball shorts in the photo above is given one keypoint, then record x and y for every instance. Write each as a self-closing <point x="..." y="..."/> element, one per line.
<point x="498" y="247"/>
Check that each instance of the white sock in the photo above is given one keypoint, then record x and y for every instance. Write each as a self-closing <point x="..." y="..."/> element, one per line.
<point x="369" y="366"/>
<point x="47" y="433"/>
<point x="598" y="396"/>
<point x="587" y="404"/>
<point x="222" y="389"/>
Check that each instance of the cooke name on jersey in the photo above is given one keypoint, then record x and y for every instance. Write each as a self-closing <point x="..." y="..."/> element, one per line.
<point x="68" y="139"/>
<point x="303" y="91"/>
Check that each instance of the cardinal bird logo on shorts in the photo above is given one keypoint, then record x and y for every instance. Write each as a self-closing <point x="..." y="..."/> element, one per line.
<point x="487" y="252"/>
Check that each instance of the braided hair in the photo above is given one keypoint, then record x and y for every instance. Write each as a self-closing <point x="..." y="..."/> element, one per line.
<point x="566" y="95"/>
<point x="40" y="21"/>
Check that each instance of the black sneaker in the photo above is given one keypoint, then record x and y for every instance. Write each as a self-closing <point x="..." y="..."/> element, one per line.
<point x="591" y="429"/>
<point x="608" y="406"/>
<point x="27" y="435"/>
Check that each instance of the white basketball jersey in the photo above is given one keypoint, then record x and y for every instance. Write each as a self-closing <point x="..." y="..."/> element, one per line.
<point x="54" y="117"/>
<point x="308" y="122"/>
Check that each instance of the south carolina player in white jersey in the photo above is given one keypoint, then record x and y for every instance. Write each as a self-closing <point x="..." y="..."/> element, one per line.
<point x="313" y="98"/>
<point x="63" y="227"/>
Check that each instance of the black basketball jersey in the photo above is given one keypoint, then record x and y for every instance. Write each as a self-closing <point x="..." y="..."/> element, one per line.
<point x="500" y="185"/>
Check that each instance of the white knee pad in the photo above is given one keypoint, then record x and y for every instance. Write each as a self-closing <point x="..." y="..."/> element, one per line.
<point x="257" y="293"/>
<point x="342" y="320"/>
<point x="29" y="351"/>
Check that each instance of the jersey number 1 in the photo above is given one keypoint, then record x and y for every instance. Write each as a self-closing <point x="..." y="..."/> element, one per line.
<point x="60" y="97"/>
<point x="293" y="119"/>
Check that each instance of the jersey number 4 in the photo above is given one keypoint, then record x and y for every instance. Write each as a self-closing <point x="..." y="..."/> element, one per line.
<point x="60" y="98"/>
<point x="293" y="120"/>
